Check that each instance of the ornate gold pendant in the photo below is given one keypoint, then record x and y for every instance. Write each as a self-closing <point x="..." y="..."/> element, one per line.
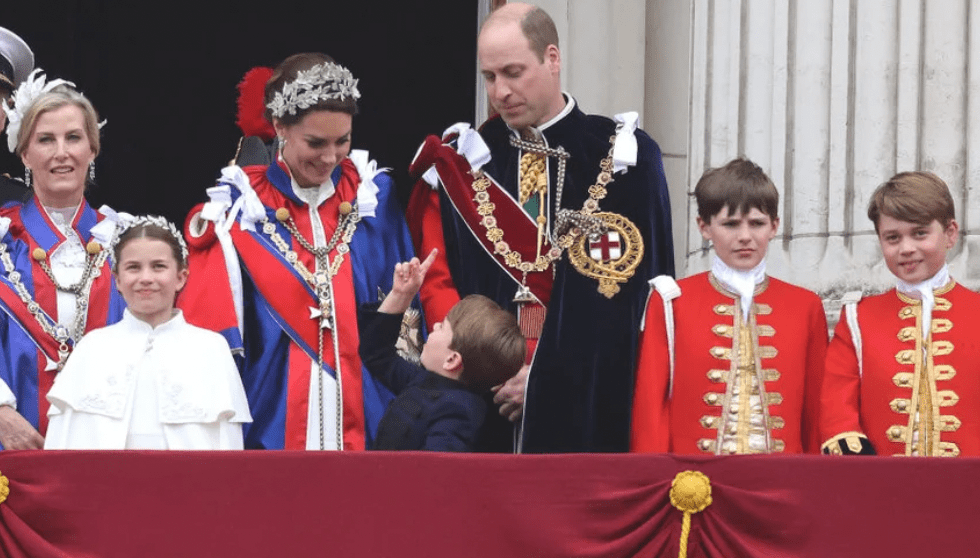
<point x="610" y="258"/>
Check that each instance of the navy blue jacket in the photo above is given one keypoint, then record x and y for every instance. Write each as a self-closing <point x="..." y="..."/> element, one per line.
<point x="430" y="412"/>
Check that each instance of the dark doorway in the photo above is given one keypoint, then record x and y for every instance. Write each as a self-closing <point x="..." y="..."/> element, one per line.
<point x="164" y="76"/>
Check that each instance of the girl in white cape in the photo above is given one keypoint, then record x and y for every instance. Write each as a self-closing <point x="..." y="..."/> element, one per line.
<point x="150" y="381"/>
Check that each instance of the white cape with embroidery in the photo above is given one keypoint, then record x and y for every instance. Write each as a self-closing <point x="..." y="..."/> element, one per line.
<point x="186" y="384"/>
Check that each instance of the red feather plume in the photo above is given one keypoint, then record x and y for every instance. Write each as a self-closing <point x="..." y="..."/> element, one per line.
<point x="251" y="104"/>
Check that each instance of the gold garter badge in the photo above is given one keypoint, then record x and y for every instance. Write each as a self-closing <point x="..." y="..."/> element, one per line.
<point x="601" y="245"/>
<point x="610" y="257"/>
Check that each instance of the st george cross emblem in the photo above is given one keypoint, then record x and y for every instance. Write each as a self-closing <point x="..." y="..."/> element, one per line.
<point x="606" y="247"/>
<point x="611" y="257"/>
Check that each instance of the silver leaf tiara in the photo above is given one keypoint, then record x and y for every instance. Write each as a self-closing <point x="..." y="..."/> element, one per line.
<point x="319" y="83"/>
<point x="125" y="224"/>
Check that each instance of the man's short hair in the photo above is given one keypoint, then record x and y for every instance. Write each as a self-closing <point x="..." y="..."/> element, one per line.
<point x="740" y="185"/>
<point x="916" y="197"/>
<point x="540" y="31"/>
<point x="536" y="26"/>
<point x="489" y="341"/>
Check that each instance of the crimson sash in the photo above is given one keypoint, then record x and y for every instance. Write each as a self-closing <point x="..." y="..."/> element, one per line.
<point x="520" y="230"/>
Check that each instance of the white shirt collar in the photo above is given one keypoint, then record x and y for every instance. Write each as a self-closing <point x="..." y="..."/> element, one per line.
<point x="742" y="283"/>
<point x="62" y="217"/>
<point x="135" y="324"/>
<point x="925" y="291"/>
<point x="925" y="288"/>
<point x="311" y="196"/>
<point x="569" y="105"/>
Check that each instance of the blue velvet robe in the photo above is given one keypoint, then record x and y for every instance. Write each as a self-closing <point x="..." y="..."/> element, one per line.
<point x="580" y="386"/>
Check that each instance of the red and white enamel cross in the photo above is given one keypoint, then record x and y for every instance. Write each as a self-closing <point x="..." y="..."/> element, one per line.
<point x="607" y="247"/>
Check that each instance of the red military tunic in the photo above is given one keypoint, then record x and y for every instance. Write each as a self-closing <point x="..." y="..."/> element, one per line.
<point x="788" y="332"/>
<point x="899" y="386"/>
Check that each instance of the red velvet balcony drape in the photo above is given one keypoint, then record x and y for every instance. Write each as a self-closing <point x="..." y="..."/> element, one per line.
<point x="169" y="504"/>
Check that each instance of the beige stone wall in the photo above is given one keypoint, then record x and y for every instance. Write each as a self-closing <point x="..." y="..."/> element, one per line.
<point x="831" y="97"/>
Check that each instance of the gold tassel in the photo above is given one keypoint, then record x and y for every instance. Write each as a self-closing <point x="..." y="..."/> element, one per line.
<point x="4" y="488"/>
<point x="690" y="492"/>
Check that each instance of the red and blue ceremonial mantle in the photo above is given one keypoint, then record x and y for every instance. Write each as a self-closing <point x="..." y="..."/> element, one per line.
<point x="273" y="331"/>
<point x="24" y="344"/>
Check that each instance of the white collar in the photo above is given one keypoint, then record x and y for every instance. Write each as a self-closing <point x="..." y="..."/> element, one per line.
<point x="742" y="283"/>
<point x="62" y="217"/>
<point x="926" y="288"/>
<point x="135" y="324"/>
<point x="925" y="291"/>
<point x="569" y="105"/>
<point x="312" y="196"/>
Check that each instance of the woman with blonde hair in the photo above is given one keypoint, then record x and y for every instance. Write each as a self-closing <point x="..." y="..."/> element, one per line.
<point x="55" y="275"/>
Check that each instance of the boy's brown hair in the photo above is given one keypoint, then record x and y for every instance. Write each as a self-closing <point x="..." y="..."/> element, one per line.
<point x="740" y="185"/>
<point x="918" y="197"/>
<point x="489" y="341"/>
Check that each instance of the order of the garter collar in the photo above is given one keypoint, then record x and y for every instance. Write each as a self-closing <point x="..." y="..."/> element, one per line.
<point x="319" y="83"/>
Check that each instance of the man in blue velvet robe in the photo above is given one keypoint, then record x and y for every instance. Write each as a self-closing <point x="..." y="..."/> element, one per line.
<point x="559" y="216"/>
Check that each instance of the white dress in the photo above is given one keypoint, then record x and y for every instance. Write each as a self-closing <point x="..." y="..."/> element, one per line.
<point x="132" y="386"/>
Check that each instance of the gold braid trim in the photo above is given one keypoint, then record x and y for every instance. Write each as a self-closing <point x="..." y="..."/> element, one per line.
<point x="534" y="180"/>
<point x="852" y="438"/>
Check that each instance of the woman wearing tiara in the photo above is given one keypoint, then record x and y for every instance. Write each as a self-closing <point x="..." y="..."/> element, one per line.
<point x="55" y="279"/>
<point x="282" y="255"/>
<point x="168" y="385"/>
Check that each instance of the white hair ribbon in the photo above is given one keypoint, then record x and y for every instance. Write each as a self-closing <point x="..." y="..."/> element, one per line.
<point x="105" y="230"/>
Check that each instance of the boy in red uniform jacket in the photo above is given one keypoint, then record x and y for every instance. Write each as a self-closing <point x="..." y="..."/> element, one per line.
<point x="731" y="359"/>
<point x="902" y="368"/>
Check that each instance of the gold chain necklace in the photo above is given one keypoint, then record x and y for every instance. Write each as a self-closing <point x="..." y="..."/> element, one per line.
<point x="322" y="286"/>
<point x="60" y="333"/>
<point x="326" y="269"/>
<point x="495" y="234"/>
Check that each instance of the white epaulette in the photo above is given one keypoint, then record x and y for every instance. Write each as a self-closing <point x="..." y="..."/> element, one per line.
<point x="849" y="302"/>
<point x="669" y="290"/>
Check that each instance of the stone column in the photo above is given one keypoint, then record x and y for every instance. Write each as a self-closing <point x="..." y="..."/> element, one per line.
<point x="831" y="98"/>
